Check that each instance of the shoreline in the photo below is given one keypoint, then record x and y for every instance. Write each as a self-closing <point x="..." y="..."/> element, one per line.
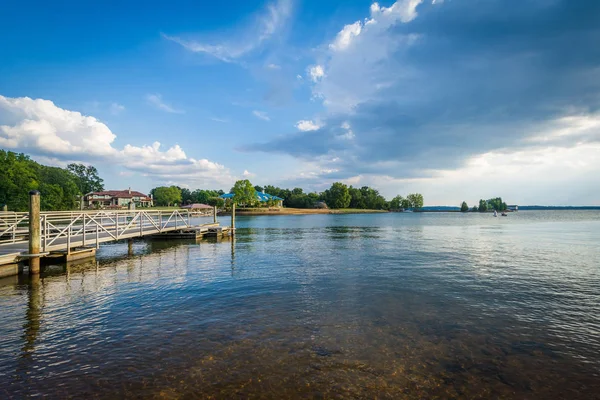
<point x="302" y="211"/>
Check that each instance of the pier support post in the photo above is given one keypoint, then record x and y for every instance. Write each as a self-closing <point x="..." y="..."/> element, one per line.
<point x="215" y="214"/>
<point x="129" y="247"/>
<point x="34" y="231"/>
<point x="5" y="208"/>
<point x="233" y="218"/>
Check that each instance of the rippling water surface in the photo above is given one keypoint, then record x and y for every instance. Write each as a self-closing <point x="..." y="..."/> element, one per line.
<point x="325" y="306"/>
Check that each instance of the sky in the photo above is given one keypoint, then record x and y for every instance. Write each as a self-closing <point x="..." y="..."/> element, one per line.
<point x="454" y="99"/>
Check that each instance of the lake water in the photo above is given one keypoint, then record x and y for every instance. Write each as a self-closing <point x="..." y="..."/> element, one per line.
<point x="436" y="305"/>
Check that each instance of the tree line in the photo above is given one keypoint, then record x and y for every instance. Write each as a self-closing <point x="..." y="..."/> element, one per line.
<point x="60" y="188"/>
<point x="339" y="195"/>
<point x="486" y="205"/>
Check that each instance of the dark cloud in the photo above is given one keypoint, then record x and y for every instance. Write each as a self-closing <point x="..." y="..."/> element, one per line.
<point x="481" y="76"/>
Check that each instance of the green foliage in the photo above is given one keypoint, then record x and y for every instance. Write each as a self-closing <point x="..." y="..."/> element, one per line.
<point x="258" y="188"/>
<point x="338" y="196"/>
<point x="166" y="195"/>
<point x="216" y="202"/>
<point x="474" y="209"/>
<point x="483" y="206"/>
<point x="497" y="204"/>
<point x="415" y="200"/>
<point x="397" y="203"/>
<point x="244" y="193"/>
<point x="464" y="207"/>
<point x="19" y="174"/>
<point x="87" y="178"/>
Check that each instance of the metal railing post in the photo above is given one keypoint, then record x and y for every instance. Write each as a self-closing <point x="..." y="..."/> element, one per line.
<point x="83" y="229"/>
<point x="69" y="238"/>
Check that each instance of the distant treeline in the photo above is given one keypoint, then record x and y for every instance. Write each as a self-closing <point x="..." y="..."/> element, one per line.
<point x="338" y="195"/>
<point x="60" y="188"/>
<point x="486" y="205"/>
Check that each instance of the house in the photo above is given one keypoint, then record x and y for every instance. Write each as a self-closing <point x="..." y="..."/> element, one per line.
<point x="260" y="196"/>
<point x="512" y="207"/>
<point x="116" y="198"/>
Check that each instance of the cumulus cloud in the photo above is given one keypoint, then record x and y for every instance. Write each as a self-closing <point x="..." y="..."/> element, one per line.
<point x="316" y="72"/>
<point x="421" y="88"/>
<point x="41" y="128"/>
<point x="307" y="125"/>
<point x="261" y="115"/>
<point x="241" y="43"/>
<point x="157" y="101"/>
<point x="248" y="174"/>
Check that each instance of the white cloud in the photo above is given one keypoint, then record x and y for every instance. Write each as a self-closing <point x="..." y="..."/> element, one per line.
<point x="261" y="115"/>
<point x="116" y="108"/>
<point x="41" y="128"/>
<point x="156" y="101"/>
<point x="344" y="37"/>
<point x="273" y="66"/>
<point x="316" y="73"/>
<point x="248" y="174"/>
<point x="249" y="39"/>
<point x="306" y="125"/>
<point x="357" y="61"/>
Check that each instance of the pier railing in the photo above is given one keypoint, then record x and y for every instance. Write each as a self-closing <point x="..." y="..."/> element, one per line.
<point x="91" y="227"/>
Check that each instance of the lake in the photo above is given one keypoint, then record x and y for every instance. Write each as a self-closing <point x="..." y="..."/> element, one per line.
<point x="401" y="305"/>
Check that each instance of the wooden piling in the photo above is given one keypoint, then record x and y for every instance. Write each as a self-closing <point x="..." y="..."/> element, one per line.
<point x="34" y="232"/>
<point x="130" y="247"/>
<point x="215" y="214"/>
<point x="233" y="218"/>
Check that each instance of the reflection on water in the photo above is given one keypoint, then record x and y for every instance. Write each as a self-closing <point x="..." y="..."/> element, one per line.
<point x="392" y="306"/>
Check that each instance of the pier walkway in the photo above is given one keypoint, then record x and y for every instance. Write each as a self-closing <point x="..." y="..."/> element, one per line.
<point x="66" y="230"/>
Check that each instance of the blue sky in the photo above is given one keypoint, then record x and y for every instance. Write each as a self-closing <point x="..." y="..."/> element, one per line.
<point x="455" y="99"/>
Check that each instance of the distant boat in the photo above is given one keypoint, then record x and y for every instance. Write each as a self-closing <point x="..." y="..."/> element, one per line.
<point x="495" y="213"/>
<point x="504" y="214"/>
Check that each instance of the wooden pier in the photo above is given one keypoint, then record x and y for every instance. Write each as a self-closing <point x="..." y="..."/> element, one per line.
<point x="30" y="237"/>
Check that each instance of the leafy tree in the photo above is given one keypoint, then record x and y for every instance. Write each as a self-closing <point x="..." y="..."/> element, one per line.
<point x="397" y="203"/>
<point x="464" y="207"/>
<point x="497" y="204"/>
<point x="186" y="196"/>
<point x="338" y="196"/>
<point x="258" y="188"/>
<point x="474" y="209"/>
<point x="483" y="206"/>
<point x="415" y="200"/>
<point x="244" y="193"/>
<point x="216" y="202"/>
<point x="87" y="178"/>
<point x="19" y="175"/>
<point x="166" y="196"/>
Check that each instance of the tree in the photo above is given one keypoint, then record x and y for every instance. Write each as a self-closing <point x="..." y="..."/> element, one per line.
<point x="87" y="178"/>
<point x="258" y="188"/>
<point x="397" y="202"/>
<point x="483" y="206"/>
<point x="166" y="196"/>
<point x="337" y="196"/>
<point x="497" y="204"/>
<point x="474" y="209"/>
<point x="216" y="202"/>
<point x="464" y="207"/>
<point x="415" y="200"/>
<point x="244" y="193"/>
